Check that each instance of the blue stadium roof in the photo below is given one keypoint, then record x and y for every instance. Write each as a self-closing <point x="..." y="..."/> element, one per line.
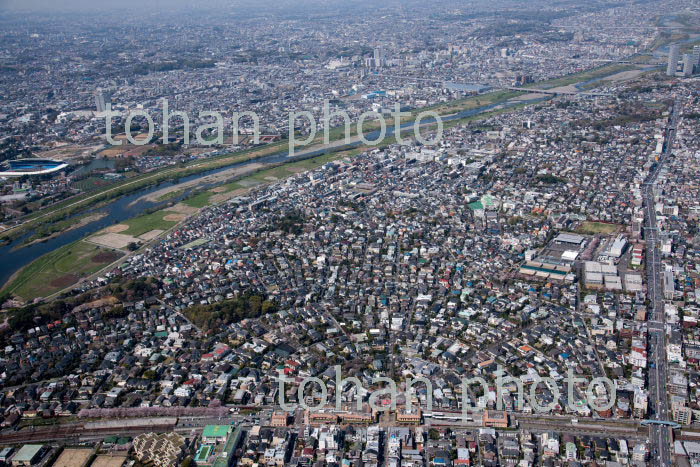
<point x="20" y="167"/>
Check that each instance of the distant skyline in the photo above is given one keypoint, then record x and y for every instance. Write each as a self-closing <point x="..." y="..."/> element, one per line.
<point x="98" y="5"/>
<point x="164" y="5"/>
<point x="168" y="6"/>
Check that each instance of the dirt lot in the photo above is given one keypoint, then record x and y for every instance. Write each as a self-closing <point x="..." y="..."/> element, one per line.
<point x="175" y="217"/>
<point x="112" y="152"/>
<point x="113" y="240"/>
<point x="153" y="233"/>
<point x="64" y="281"/>
<point x="221" y="197"/>
<point x="109" y="461"/>
<point x="117" y="228"/>
<point x="127" y="147"/>
<point x="181" y="208"/>
<point x="106" y="257"/>
<point x="625" y="75"/>
<point x="68" y="151"/>
<point x="73" y="458"/>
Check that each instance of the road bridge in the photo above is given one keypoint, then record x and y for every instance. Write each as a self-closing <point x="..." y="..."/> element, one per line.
<point x="673" y="425"/>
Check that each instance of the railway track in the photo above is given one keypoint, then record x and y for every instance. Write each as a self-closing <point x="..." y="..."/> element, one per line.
<point x="78" y="432"/>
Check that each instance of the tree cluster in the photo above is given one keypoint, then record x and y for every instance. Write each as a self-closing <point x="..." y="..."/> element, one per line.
<point x="230" y="311"/>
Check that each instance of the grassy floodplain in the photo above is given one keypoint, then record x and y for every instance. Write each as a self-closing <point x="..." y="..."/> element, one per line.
<point x="59" y="269"/>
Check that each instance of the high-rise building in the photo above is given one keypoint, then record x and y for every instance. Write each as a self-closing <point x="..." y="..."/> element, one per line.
<point x="688" y="64"/>
<point x="102" y="98"/>
<point x="696" y="56"/>
<point x="673" y="55"/>
<point x="379" y="57"/>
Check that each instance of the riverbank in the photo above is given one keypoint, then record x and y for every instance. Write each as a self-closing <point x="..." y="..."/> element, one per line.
<point x="59" y="269"/>
<point x="207" y="192"/>
<point x="74" y="205"/>
<point x="30" y="288"/>
<point x="69" y="224"/>
<point x="216" y="178"/>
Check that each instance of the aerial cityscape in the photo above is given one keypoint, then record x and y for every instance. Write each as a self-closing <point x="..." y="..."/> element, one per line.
<point x="350" y="233"/>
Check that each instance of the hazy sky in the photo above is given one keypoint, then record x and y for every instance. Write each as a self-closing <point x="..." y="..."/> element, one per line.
<point x="97" y="5"/>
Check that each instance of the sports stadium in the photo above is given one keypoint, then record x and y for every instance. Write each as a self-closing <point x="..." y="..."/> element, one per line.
<point x="21" y="167"/>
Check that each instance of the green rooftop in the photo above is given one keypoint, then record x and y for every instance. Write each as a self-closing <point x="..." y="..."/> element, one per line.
<point x="476" y="206"/>
<point x="203" y="453"/>
<point x="226" y="457"/>
<point x="216" y="431"/>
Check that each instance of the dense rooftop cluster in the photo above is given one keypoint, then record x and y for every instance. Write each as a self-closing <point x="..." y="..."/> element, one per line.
<point x="516" y="252"/>
<point x="243" y="62"/>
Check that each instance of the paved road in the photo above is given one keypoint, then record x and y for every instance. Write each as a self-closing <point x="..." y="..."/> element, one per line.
<point x="658" y="401"/>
